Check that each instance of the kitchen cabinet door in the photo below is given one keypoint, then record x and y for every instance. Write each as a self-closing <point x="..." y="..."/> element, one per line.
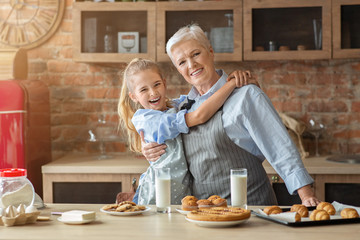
<point x="131" y="25"/>
<point x="346" y="28"/>
<point x="285" y="30"/>
<point x="222" y="21"/>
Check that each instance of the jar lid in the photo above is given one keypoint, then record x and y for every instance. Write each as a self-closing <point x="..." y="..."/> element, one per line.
<point x="12" y="172"/>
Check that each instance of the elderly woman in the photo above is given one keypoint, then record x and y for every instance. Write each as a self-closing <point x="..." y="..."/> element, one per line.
<point x="245" y="132"/>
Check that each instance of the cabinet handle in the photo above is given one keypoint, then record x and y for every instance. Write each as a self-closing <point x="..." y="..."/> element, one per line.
<point x="274" y="179"/>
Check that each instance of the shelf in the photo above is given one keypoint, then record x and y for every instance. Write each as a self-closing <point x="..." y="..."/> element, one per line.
<point x="288" y="24"/>
<point x="139" y="19"/>
<point x="211" y="17"/>
<point x="346" y="25"/>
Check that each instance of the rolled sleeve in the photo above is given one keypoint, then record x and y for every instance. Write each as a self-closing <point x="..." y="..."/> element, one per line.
<point x="297" y="179"/>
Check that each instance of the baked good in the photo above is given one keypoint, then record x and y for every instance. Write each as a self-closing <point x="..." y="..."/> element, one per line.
<point x="272" y="210"/>
<point x="219" y="202"/>
<point x="327" y="207"/>
<point x="125" y="206"/>
<point x="319" y="215"/>
<point x="213" y="197"/>
<point x="204" y="203"/>
<point x="349" y="213"/>
<point x="300" y="209"/>
<point x="297" y="217"/>
<point x="188" y="203"/>
<point x="219" y="214"/>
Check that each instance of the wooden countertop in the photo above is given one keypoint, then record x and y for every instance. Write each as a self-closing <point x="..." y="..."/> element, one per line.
<point x="166" y="226"/>
<point x="77" y="163"/>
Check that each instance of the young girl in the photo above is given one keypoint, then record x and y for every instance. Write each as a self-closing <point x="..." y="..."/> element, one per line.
<point x="144" y="87"/>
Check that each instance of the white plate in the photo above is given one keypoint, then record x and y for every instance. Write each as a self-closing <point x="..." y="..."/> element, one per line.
<point x="124" y="213"/>
<point x="75" y="222"/>
<point x="215" y="224"/>
<point x="183" y="212"/>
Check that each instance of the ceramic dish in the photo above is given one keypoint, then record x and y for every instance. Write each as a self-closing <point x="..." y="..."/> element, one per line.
<point x="75" y="222"/>
<point x="125" y="213"/>
<point x="218" y="224"/>
<point x="183" y="212"/>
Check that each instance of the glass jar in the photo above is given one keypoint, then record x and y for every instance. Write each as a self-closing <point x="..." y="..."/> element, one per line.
<point x="15" y="188"/>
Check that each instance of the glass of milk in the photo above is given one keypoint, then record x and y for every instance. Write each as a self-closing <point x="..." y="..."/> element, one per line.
<point x="238" y="182"/>
<point x="163" y="191"/>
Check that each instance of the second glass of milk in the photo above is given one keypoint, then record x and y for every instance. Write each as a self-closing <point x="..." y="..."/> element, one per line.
<point x="163" y="189"/>
<point x="238" y="182"/>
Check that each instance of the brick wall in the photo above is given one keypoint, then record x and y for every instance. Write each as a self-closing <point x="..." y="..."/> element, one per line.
<point x="81" y="94"/>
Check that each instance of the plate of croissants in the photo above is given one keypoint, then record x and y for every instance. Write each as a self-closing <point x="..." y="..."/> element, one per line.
<point x="324" y="213"/>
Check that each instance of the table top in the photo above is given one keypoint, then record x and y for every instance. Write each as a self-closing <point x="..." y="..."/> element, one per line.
<point x="152" y="225"/>
<point x="130" y="163"/>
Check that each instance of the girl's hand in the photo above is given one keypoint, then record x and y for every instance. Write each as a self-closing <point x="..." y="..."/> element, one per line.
<point x="152" y="151"/>
<point x="242" y="78"/>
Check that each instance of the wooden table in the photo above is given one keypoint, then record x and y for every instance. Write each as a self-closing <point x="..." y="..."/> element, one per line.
<point x="166" y="226"/>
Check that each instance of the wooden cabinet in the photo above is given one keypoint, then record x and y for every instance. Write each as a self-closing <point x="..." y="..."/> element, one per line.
<point x="346" y="28"/>
<point x="344" y="188"/>
<point x="92" y="19"/>
<point x="155" y="22"/>
<point x="280" y="29"/>
<point x="238" y="29"/>
<point x="221" y="21"/>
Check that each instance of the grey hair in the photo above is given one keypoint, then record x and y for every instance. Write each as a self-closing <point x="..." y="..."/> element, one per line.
<point x="189" y="32"/>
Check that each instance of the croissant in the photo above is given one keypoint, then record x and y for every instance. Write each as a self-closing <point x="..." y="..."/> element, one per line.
<point x="319" y="215"/>
<point x="349" y="213"/>
<point x="327" y="207"/>
<point x="300" y="209"/>
<point x="272" y="210"/>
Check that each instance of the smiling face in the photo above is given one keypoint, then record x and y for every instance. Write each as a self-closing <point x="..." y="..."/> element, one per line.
<point x="149" y="90"/>
<point x="195" y="63"/>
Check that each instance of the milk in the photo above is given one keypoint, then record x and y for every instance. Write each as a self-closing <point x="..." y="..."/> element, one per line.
<point x="163" y="194"/>
<point x="238" y="190"/>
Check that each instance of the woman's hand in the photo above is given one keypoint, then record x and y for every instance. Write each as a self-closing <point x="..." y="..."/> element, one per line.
<point x="307" y="196"/>
<point x="242" y="78"/>
<point x="152" y="151"/>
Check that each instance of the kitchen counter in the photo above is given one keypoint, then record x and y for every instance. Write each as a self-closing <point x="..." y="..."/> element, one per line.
<point x="123" y="169"/>
<point x="173" y="226"/>
<point x="77" y="163"/>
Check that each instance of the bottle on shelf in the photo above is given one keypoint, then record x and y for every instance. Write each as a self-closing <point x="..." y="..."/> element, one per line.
<point x="109" y="40"/>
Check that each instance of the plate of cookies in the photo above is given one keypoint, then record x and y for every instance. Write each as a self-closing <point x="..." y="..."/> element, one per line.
<point x="324" y="213"/>
<point x="125" y="208"/>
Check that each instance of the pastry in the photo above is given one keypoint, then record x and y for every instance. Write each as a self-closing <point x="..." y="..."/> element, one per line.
<point x="272" y="210"/>
<point x="204" y="203"/>
<point x="125" y="206"/>
<point x="319" y="215"/>
<point x="189" y="198"/>
<point x="349" y="213"/>
<point x="300" y="209"/>
<point x="213" y="197"/>
<point x="219" y="214"/>
<point x="328" y="207"/>
<point x="188" y="203"/>
<point x="219" y="202"/>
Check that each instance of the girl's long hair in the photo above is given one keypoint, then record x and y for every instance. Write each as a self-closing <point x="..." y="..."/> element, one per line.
<point x="126" y="107"/>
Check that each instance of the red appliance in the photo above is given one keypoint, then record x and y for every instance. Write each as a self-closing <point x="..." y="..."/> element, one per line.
<point x="25" y="127"/>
